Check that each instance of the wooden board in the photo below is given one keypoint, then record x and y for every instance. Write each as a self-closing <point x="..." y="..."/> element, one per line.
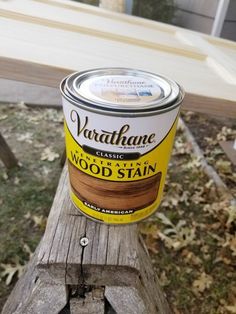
<point x="30" y="295"/>
<point x="76" y="37"/>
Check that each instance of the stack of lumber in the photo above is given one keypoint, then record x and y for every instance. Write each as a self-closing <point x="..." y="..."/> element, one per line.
<point x="42" y="41"/>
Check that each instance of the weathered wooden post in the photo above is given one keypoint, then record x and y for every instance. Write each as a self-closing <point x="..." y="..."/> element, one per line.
<point x="80" y="266"/>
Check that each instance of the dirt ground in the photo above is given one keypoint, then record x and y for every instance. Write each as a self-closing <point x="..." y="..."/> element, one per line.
<point x="191" y="238"/>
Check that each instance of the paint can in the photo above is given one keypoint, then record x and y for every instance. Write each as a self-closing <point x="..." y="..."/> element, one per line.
<point x="120" y="125"/>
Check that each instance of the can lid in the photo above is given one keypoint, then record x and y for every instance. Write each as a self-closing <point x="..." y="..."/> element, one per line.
<point x="122" y="89"/>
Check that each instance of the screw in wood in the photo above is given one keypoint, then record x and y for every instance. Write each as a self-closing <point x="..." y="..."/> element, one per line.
<point x="84" y="241"/>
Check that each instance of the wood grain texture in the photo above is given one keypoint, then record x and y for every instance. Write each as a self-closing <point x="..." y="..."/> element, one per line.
<point x="114" y="195"/>
<point x="223" y="64"/>
<point x="114" y="255"/>
<point x="144" y="298"/>
<point x="125" y="300"/>
<point x="114" y="258"/>
<point x="33" y="296"/>
<point x="81" y="38"/>
<point x="31" y="72"/>
<point x="97" y="27"/>
<point x="209" y="105"/>
<point x="45" y="75"/>
<point x="61" y="247"/>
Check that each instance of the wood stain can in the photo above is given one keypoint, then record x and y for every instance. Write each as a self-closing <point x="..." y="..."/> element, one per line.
<point x="120" y="125"/>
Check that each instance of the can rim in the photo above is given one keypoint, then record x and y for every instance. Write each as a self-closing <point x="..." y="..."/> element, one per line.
<point x="169" y="101"/>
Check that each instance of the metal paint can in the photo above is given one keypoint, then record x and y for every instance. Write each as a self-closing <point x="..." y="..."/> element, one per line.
<point x="120" y="125"/>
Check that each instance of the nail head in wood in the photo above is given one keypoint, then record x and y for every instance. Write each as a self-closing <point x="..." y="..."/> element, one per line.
<point x="84" y="241"/>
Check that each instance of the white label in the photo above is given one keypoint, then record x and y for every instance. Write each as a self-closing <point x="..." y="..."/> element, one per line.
<point x="121" y="90"/>
<point x="111" y="133"/>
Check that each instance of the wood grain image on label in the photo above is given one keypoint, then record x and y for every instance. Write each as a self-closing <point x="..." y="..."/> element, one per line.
<point x="114" y="195"/>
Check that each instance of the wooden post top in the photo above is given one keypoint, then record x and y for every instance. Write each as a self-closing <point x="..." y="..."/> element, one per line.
<point x="100" y="262"/>
<point x="111" y="253"/>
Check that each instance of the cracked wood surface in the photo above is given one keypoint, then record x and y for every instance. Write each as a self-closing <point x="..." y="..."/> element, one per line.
<point x="114" y="256"/>
<point x="31" y="295"/>
<point x="111" y="252"/>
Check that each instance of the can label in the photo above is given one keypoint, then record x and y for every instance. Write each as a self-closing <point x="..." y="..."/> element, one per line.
<point x="128" y="90"/>
<point x="117" y="165"/>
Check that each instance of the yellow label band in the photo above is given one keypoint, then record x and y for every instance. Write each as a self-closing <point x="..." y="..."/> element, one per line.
<point x="121" y="170"/>
<point x="104" y="217"/>
<point x="97" y="170"/>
